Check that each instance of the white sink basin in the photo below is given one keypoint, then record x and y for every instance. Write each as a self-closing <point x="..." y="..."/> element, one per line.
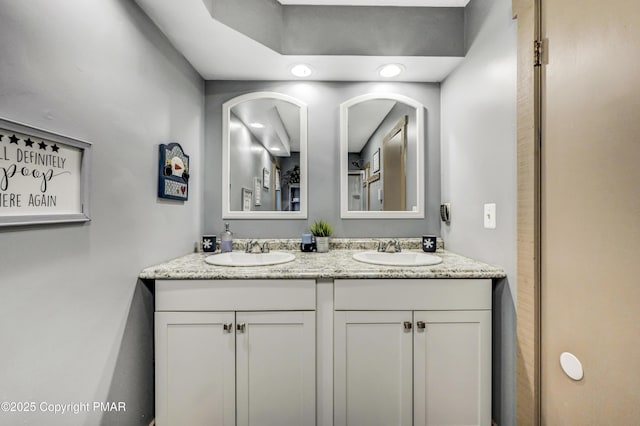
<point x="404" y="258"/>
<point x="235" y="258"/>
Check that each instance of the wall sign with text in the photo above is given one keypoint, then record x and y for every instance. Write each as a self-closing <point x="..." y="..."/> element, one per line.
<point x="43" y="176"/>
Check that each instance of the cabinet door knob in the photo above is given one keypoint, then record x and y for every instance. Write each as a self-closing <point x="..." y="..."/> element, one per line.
<point x="407" y="325"/>
<point x="421" y="325"/>
<point x="228" y="327"/>
<point x="240" y="327"/>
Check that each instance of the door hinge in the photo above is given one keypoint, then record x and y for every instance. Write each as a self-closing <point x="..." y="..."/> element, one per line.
<point x="537" y="52"/>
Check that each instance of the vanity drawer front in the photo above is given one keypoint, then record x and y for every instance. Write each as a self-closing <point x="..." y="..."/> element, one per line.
<point x="413" y="294"/>
<point x="235" y="295"/>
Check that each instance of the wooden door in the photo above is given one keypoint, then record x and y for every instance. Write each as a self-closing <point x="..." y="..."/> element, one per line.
<point x="276" y="368"/>
<point x="452" y="368"/>
<point x="394" y="171"/>
<point x="195" y="368"/>
<point x="591" y="211"/>
<point x="372" y="368"/>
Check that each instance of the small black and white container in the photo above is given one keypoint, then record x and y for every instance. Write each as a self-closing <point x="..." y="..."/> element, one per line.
<point x="429" y="243"/>
<point x="208" y="243"/>
<point x="308" y="243"/>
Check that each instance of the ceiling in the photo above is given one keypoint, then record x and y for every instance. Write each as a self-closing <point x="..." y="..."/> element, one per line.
<point x="364" y="119"/>
<point x="219" y="52"/>
<point x="280" y="122"/>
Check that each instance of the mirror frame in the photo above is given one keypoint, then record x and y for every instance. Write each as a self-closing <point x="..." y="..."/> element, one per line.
<point x="345" y="213"/>
<point x="226" y="109"/>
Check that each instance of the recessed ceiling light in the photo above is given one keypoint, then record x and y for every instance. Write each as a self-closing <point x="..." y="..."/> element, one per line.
<point x="390" y="70"/>
<point x="301" y="70"/>
<point x="256" y="125"/>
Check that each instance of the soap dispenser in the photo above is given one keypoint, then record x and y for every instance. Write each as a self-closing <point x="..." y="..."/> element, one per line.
<point x="226" y="239"/>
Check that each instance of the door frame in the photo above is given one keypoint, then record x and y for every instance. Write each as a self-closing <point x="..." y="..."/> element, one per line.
<point x="529" y="104"/>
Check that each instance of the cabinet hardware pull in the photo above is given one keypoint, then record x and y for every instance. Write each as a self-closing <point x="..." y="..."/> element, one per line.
<point x="407" y="325"/>
<point x="228" y="327"/>
<point x="240" y="327"/>
<point x="421" y="325"/>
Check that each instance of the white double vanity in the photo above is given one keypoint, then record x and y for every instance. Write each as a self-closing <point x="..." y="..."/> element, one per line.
<point x="323" y="340"/>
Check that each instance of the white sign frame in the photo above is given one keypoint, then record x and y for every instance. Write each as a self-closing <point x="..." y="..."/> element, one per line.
<point x="83" y="212"/>
<point x="266" y="178"/>
<point x="247" y="197"/>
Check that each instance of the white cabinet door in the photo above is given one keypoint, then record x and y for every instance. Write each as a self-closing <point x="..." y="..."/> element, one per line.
<point x="372" y="368"/>
<point x="195" y="368"/>
<point x="276" y="368"/>
<point x="452" y="371"/>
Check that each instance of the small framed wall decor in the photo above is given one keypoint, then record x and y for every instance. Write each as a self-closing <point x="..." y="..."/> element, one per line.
<point x="173" y="176"/>
<point x="266" y="178"/>
<point x="277" y="179"/>
<point x="257" y="190"/>
<point x="44" y="176"/>
<point x="247" y="197"/>
<point x="376" y="161"/>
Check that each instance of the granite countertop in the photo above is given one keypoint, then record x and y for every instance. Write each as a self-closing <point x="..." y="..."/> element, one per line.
<point x="337" y="263"/>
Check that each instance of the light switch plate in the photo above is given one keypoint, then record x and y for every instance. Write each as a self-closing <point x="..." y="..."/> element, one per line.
<point x="490" y="216"/>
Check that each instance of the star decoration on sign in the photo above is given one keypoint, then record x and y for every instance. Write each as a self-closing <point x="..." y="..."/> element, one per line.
<point x="428" y="244"/>
<point x="42" y="145"/>
<point x="14" y="139"/>
<point x="207" y="243"/>
<point x="55" y="148"/>
<point x="28" y="142"/>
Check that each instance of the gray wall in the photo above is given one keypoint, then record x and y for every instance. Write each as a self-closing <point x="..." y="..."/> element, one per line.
<point x="479" y="166"/>
<point x="323" y="100"/>
<point x="375" y="31"/>
<point x="75" y="324"/>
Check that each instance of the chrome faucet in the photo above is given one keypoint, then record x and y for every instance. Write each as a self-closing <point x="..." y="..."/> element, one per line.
<point x="384" y="247"/>
<point x="251" y="245"/>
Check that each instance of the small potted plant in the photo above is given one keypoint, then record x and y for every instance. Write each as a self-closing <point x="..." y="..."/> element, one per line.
<point x="322" y="231"/>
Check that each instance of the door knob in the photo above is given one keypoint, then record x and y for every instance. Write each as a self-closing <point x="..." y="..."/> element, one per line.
<point x="421" y="325"/>
<point x="407" y="325"/>
<point x="240" y="327"/>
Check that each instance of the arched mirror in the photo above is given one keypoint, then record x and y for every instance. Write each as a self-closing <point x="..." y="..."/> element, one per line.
<point x="381" y="157"/>
<point x="264" y="150"/>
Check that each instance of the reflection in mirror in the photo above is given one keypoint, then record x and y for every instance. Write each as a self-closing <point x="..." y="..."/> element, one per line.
<point x="264" y="157"/>
<point x="382" y="171"/>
